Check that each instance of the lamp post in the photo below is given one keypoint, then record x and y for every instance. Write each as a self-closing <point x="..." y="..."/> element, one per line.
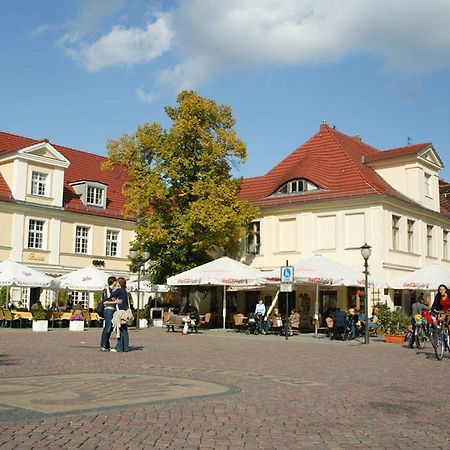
<point x="366" y="251"/>
<point x="139" y="259"/>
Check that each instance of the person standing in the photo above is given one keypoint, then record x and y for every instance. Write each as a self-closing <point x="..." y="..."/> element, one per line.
<point x="109" y="307"/>
<point x="121" y="296"/>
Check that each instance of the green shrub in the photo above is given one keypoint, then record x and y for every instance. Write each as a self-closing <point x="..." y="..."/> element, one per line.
<point x="392" y="322"/>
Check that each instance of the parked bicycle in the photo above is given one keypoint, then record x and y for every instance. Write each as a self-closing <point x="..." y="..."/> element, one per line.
<point x="441" y="338"/>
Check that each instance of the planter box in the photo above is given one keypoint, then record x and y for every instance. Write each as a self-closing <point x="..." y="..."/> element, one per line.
<point x="394" y="338"/>
<point x="40" y="325"/>
<point x="143" y="323"/>
<point x="158" y="323"/>
<point x="76" y="325"/>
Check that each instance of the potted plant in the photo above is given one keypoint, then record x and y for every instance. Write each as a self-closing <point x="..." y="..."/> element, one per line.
<point x="40" y="322"/>
<point x="76" y="322"/>
<point x="394" y="324"/>
<point x="144" y="316"/>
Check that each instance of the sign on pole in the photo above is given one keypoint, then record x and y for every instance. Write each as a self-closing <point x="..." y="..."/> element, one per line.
<point x="286" y="278"/>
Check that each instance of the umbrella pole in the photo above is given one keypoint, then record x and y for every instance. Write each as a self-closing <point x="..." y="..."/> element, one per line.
<point x="224" y="306"/>
<point x="316" y="309"/>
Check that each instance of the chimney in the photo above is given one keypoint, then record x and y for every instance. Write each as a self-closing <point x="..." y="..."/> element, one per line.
<point x="324" y="125"/>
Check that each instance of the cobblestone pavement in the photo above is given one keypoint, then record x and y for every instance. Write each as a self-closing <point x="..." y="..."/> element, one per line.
<point x="218" y="390"/>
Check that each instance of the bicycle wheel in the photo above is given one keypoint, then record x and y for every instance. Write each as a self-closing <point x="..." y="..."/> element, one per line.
<point x="421" y="338"/>
<point x="439" y="348"/>
<point x="411" y="338"/>
<point x="434" y="337"/>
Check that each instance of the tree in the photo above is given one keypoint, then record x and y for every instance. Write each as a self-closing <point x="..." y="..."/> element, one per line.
<point x="180" y="181"/>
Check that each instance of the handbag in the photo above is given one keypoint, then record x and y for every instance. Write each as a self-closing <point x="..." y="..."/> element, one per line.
<point x="101" y="310"/>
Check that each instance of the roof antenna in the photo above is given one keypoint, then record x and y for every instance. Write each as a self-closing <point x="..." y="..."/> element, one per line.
<point x="409" y="140"/>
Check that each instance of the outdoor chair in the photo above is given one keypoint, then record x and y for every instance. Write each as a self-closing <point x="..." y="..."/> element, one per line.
<point x="204" y="320"/>
<point x="8" y="317"/>
<point x="330" y="323"/>
<point x="239" y="323"/>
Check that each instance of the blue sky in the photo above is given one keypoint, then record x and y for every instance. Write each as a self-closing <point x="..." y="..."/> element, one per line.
<point x="79" y="72"/>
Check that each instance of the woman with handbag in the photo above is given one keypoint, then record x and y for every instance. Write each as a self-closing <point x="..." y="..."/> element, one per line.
<point x="109" y="306"/>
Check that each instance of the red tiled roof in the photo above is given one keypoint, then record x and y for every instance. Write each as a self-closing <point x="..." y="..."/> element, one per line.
<point x="400" y="151"/>
<point x="83" y="166"/>
<point x="5" y="192"/>
<point x="334" y="162"/>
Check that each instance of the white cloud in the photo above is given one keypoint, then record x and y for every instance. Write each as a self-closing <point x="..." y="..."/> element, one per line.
<point x="127" y="46"/>
<point x="205" y="38"/>
<point x="145" y="97"/>
<point x="41" y="29"/>
<point x="409" y="35"/>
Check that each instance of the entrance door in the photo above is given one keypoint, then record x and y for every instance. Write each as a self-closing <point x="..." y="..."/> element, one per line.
<point x="35" y="293"/>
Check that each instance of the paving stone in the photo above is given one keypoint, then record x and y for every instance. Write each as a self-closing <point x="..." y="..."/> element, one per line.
<point x="218" y="390"/>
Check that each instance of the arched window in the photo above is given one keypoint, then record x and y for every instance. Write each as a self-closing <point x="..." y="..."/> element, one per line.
<point x="296" y="187"/>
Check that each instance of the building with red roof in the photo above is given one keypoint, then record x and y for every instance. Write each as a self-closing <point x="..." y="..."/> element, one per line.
<point x="334" y="193"/>
<point x="59" y="210"/>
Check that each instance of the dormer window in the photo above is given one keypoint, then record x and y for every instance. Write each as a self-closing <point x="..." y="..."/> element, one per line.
<point x="91" y="193"/>
<point x="38" y="183"/>
<point x="95" y="196"/>
<point x="297" y="187"/>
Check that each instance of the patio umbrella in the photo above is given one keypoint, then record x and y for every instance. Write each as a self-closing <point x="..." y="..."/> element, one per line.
<point x="220" y="272"/>
<point x="16" y="274"/>
<point x="322" y="271"/>
<point x="86" y="279"/>
<point x="426" y="279"/>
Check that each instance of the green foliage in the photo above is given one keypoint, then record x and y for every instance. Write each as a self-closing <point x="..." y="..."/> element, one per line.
<point x="392" y="322"/>
<point x="181" y="183"/>
<point x="40" y="314"/>
<point x="97" y="298"/>
<point x="62" y="298"/>
<point x="144" y="313"/>
<point x="3" y="291"/>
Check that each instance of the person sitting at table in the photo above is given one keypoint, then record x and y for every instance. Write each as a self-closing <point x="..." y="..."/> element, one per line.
<point x="274" y="321"/>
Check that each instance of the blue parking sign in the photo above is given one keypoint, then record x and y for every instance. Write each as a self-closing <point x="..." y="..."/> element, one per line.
<point x="287" y="274"/>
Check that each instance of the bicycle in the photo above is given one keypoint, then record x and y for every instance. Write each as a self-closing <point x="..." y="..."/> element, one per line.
<point x="418" y="335"/>
<point x="441" y="336"/>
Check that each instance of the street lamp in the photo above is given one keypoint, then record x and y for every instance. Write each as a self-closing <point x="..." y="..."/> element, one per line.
<point x="139" y="258"/>
<point x="366" y="251"/>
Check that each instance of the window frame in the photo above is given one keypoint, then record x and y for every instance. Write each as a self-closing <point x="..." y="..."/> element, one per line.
<point x="296" y="187"/>
<point x="109" y="242"/>
<point x="410" y="228"/>
<point x="395" y="232"/>
<point x="37" y="184"/>
<point x="429" y="238"/>
<point x="253" y="240"/>
<point x="95" y="201"/>
<point x="79" y="244"/>
<point x="36" y="232"/>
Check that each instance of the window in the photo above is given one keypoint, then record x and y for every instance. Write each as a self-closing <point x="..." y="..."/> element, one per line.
<point x="81" y="239"/>
<point x="445" y="244"/>
<point x="410" y="236"/>
<point x="38" y="183"/>
<point x="35" y="233"/>
<point x="112" y="241"/>
<point x="395" y="232"/>
<point x="428" y="185"/>
<point x="429" y="240"/>
<point x="254" y="238"/>
<point x="95" y="196"/>
<point x="296" y="187"/>
<point x="80" y="298"/>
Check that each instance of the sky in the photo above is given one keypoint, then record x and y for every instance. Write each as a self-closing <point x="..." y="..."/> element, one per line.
<point x="80" y="72"/>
